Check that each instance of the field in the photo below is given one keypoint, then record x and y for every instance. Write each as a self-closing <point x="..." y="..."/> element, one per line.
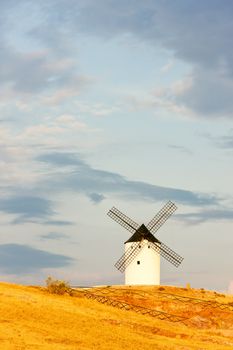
<point x="184" y="318"/>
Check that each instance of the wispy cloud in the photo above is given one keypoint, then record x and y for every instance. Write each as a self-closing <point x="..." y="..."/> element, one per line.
<point x="67" y="171"/>
<point x="85" y="179"/>
<point x="224" y="141"/>
<point x="181" y="149"/>
<point x="31" y="209"/>
<point x="22" y="259"/>
<point x="96" y="197"/>
<point x="58" y="223"/>
<point x="167" y="67"/>
<point x="26" y="208"/>
<point x="221" y="141"/>
<point x="54" y="236"/>
<point x="205" y="215"/>
<point x="39" y="60"/>
<point x="32" y="73"/>
<point x="174" y="26"/>
<point x="52" y="68"/>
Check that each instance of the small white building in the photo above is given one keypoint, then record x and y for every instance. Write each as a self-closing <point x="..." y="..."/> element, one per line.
<point x="144" y="268"/>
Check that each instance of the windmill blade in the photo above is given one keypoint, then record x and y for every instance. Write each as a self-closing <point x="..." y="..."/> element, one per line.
<point x="129" y="256"/>
<point x="162" y="216"/>
<point x="123" y="220"/>
<point x="167" y="253"/>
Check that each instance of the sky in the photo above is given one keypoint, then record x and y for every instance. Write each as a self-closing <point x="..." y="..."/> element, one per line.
<point x="115" y="103"/>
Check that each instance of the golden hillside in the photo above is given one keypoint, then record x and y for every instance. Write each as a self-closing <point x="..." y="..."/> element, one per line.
<point x="31" y="318"/>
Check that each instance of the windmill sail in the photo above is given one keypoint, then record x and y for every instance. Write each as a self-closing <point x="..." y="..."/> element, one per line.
<point x="129" y="256"/>
<point x="167" y="253"/>
<point x="123" y="220"/>
<point x="143" y="234"/>
<point x="162" y="216"/>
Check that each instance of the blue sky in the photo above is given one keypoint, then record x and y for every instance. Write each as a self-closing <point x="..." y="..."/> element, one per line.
<point x="115" y="103"/>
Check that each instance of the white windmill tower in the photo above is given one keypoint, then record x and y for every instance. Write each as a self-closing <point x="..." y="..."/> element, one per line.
<point x="141" y="260"/>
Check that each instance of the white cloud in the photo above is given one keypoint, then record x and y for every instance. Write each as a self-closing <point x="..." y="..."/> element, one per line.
<point x="198" y="33"/>
<point x="160" y="101"/>
<point x="180" y="87"/>
<point x="59" y="96"/>
<point x="167" y="67"/>
<point x="40" y="130"/>
<point x="97" y="109"/>
<point x="70" y="121"/>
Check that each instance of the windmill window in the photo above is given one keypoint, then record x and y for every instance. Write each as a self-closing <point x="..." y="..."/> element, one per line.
<point x="148" y="246"/>
<point x="138" y="262"/>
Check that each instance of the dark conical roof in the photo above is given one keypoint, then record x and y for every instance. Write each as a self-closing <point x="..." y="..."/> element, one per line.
<point x="142" y="233"/>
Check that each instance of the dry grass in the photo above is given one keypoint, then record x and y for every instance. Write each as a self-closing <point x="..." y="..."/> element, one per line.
<point x="31" y="318"/>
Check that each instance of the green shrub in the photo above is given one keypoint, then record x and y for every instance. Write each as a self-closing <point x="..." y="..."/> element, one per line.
<point x="58" y="287"/>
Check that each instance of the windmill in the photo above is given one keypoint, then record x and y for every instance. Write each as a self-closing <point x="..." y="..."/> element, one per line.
<point x="141" y="259"/>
